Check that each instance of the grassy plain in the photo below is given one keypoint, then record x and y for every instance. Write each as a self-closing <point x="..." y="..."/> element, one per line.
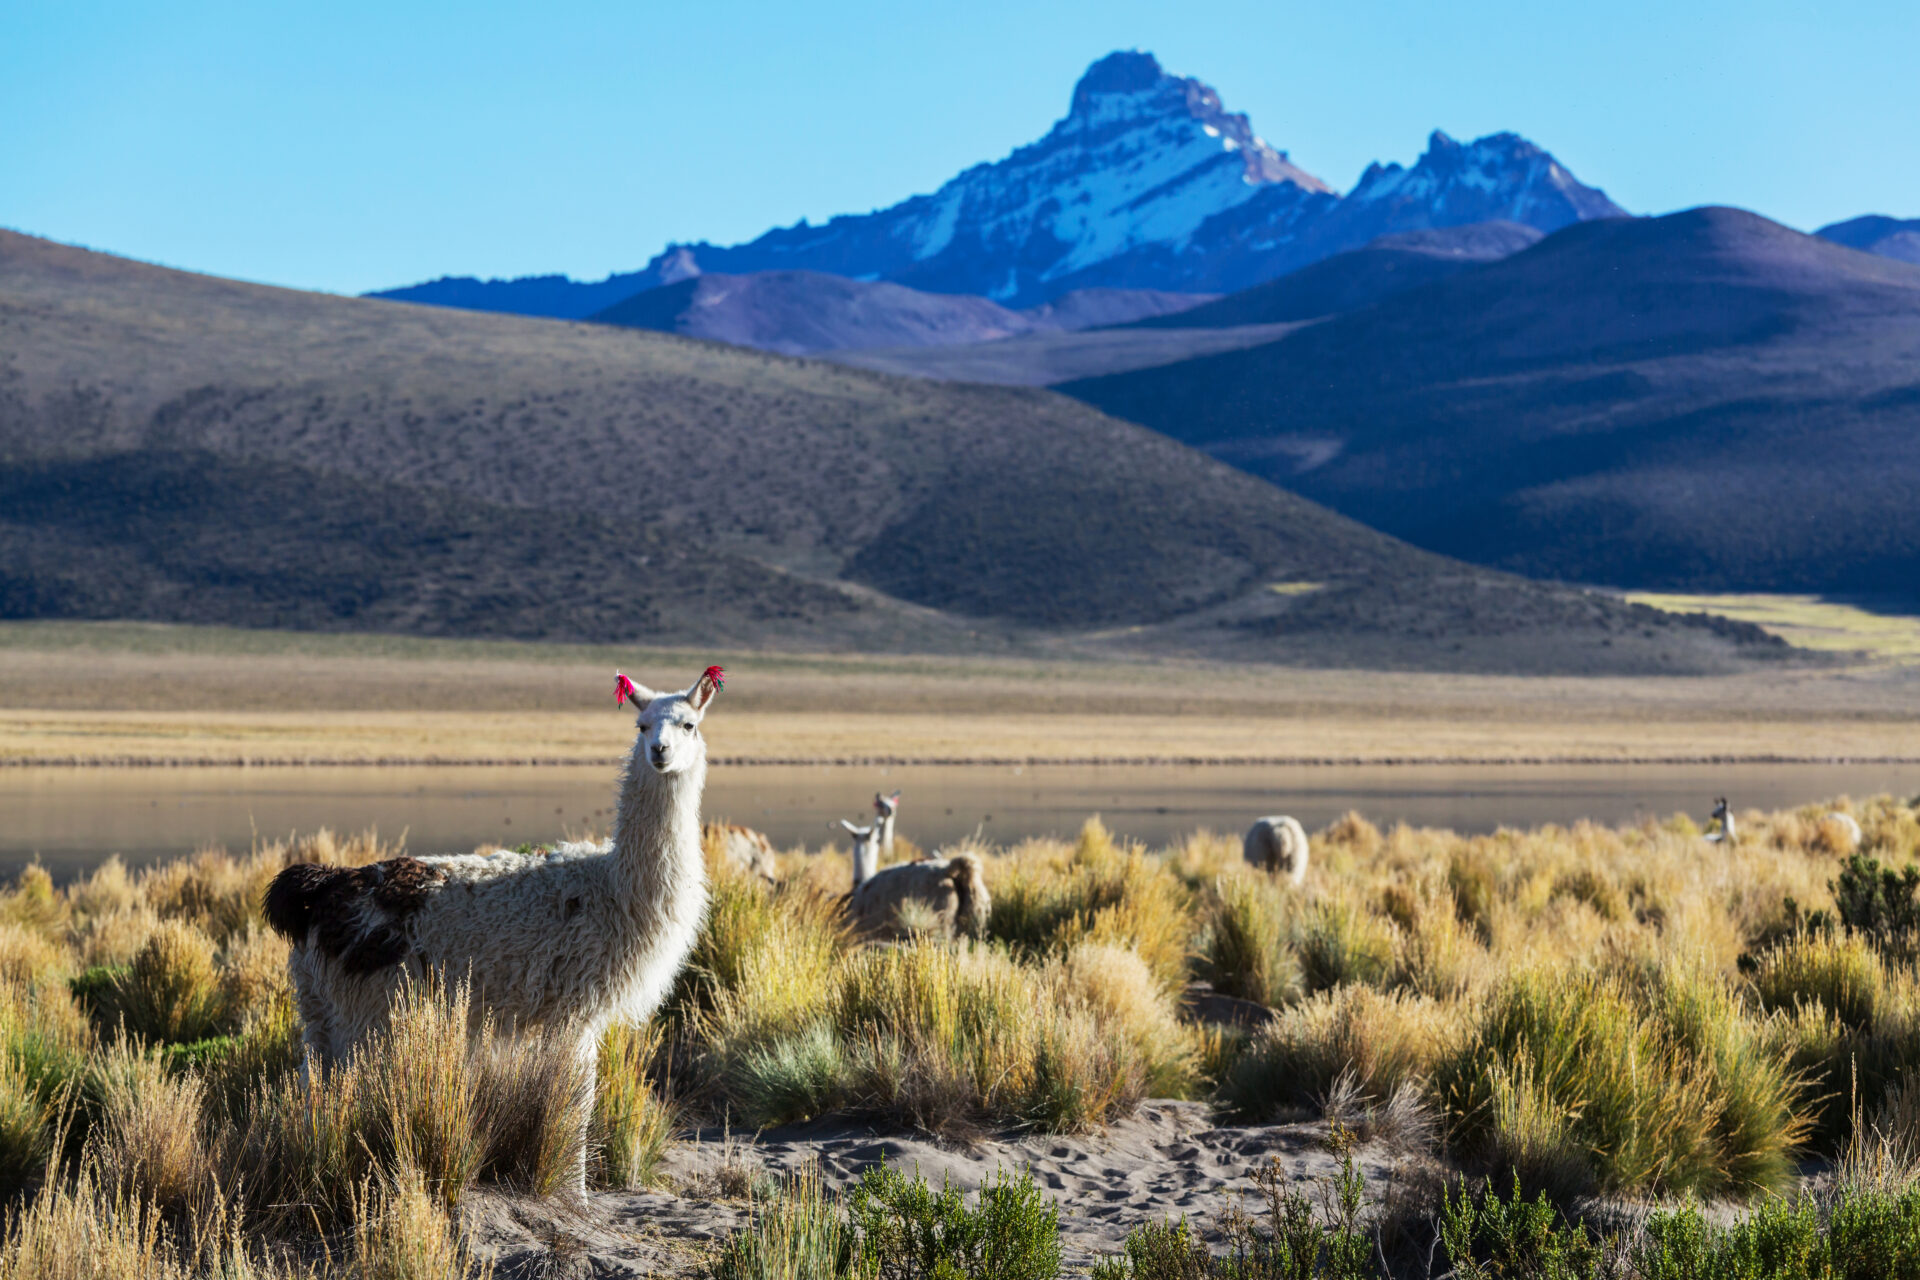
<point x="1620" y="1012"/>
<point x="137" y="692"/>
<point x="1808" y="622"/>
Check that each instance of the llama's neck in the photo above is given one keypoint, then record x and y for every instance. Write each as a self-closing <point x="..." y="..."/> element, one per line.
<point x="863" y="859"/>
<point x="656" y="837"/>
<point x="1726" y="823"/>
<point x="883" y="835"/>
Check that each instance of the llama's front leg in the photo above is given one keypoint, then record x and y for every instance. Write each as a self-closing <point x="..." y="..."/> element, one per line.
<point x="587" y="1063"/>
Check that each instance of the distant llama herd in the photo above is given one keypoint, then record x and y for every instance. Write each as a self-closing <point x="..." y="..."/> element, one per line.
<point x="572" y="939"/>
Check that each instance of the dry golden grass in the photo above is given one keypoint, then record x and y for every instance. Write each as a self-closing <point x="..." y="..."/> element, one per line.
<point x="1603" y="1009"/>
<point x="1809" y="622"/>
<point x="115" y="691"/>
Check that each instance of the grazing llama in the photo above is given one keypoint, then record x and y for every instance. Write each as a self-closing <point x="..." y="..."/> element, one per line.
<point x="569" y="940"/>
<point x="885" y="808"/>
<point x="944" y="896"/>
<point x="1277" y="845"/>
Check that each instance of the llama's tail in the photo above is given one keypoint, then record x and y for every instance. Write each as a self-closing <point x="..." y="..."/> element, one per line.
<point x="295" y="897"/>
<point x="970" y="885"/>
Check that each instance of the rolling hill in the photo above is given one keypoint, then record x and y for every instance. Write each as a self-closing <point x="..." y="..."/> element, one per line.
<point x="179" y="446"/>
<point x="1358" y="278"/>
<point x="1888" y="237"/>
<point x="1707" y="400"/>
<point x="803" y="312"/>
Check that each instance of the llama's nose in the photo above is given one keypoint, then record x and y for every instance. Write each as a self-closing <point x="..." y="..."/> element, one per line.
<point x="659" y="755"/>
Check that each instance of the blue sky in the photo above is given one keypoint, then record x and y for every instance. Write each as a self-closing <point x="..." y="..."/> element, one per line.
<point x="351" y="145"/>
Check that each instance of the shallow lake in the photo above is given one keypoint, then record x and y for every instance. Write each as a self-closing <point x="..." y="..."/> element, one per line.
<point x="74" y="818"/>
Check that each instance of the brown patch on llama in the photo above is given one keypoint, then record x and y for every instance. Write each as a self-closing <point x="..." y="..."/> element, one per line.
<point x="356" y="915"/>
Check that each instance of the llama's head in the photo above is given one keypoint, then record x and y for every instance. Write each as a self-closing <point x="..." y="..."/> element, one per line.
<point x="669" y="723"/>
<point x="1719" y="806"/>
<point x="886" y="806"/>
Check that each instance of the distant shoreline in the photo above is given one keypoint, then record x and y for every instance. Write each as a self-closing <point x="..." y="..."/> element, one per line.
<point x="945" y="762"/>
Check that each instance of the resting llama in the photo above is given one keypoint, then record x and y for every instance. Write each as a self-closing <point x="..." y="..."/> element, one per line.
<point x="1277" y="844"/>
<point x="569" y="940"/>
<point x="945" y="896"/>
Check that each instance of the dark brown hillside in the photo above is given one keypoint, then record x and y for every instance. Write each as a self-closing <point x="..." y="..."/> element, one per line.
<point x="1007" y="509"/>
<point x="193" y="537"/>
<point x="1707" y="400"/>
<point x="1358" y="278"/>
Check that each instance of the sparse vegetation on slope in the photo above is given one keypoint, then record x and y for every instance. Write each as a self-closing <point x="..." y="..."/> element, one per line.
<point x="182" y="447"/>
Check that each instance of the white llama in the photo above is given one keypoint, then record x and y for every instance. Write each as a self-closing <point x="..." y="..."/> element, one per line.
<point x="1279" y="845"/>
<point x="885" y="809"/>
<point x="946" y="896"/>
<point x="1724" y="816"/>
<point x="569" y="939"/>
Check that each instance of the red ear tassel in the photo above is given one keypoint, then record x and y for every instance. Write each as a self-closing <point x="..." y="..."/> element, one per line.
<point x="623" y="689"/>
<point x="718" y="677"/>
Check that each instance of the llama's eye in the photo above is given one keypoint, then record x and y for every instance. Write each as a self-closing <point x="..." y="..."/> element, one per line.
<point x="645" y="727"/>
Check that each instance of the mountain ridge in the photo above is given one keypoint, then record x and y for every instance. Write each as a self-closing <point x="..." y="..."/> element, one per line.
<point x="1702" y="401"/>
<point x="1148" y="182"/>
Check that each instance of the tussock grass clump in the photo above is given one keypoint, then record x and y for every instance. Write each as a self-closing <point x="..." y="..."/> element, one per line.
<point x="150" y="1141"/>
<point x="1247" y="951"/>
<point x="1047" y="898"/>
<point x="948" y="1038"/>
<point x="631" y="1120"/>
<point x="1340" y="940"/>
<point x="1838" y="973"/>
<point x="402" y="1232"/>
<point x="172" y="993"/>
<point x="1587" y="1082"/>
<point x="1385" y="1040"/>
<point x="799" y="1231"/>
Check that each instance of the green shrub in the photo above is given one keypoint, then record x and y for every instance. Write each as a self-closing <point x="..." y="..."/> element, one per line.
<point x="908" y="1231"/>
<point x="1159" y="1251"/>
<point x="1289" y="1243"/>
<point x="1867" y="1234"/>
<point x="1880" y="905"/>
<point x="1486" y="1237"/>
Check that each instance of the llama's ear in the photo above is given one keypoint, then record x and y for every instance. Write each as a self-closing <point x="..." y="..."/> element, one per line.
<point x="853" y="830"/>
<point x="711" y="681"/>
<point x="625" y="689"/>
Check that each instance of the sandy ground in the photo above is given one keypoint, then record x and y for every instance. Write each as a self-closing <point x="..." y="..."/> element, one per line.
<point x="1167" y="1160"/>
<point x="118" y="693"/>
